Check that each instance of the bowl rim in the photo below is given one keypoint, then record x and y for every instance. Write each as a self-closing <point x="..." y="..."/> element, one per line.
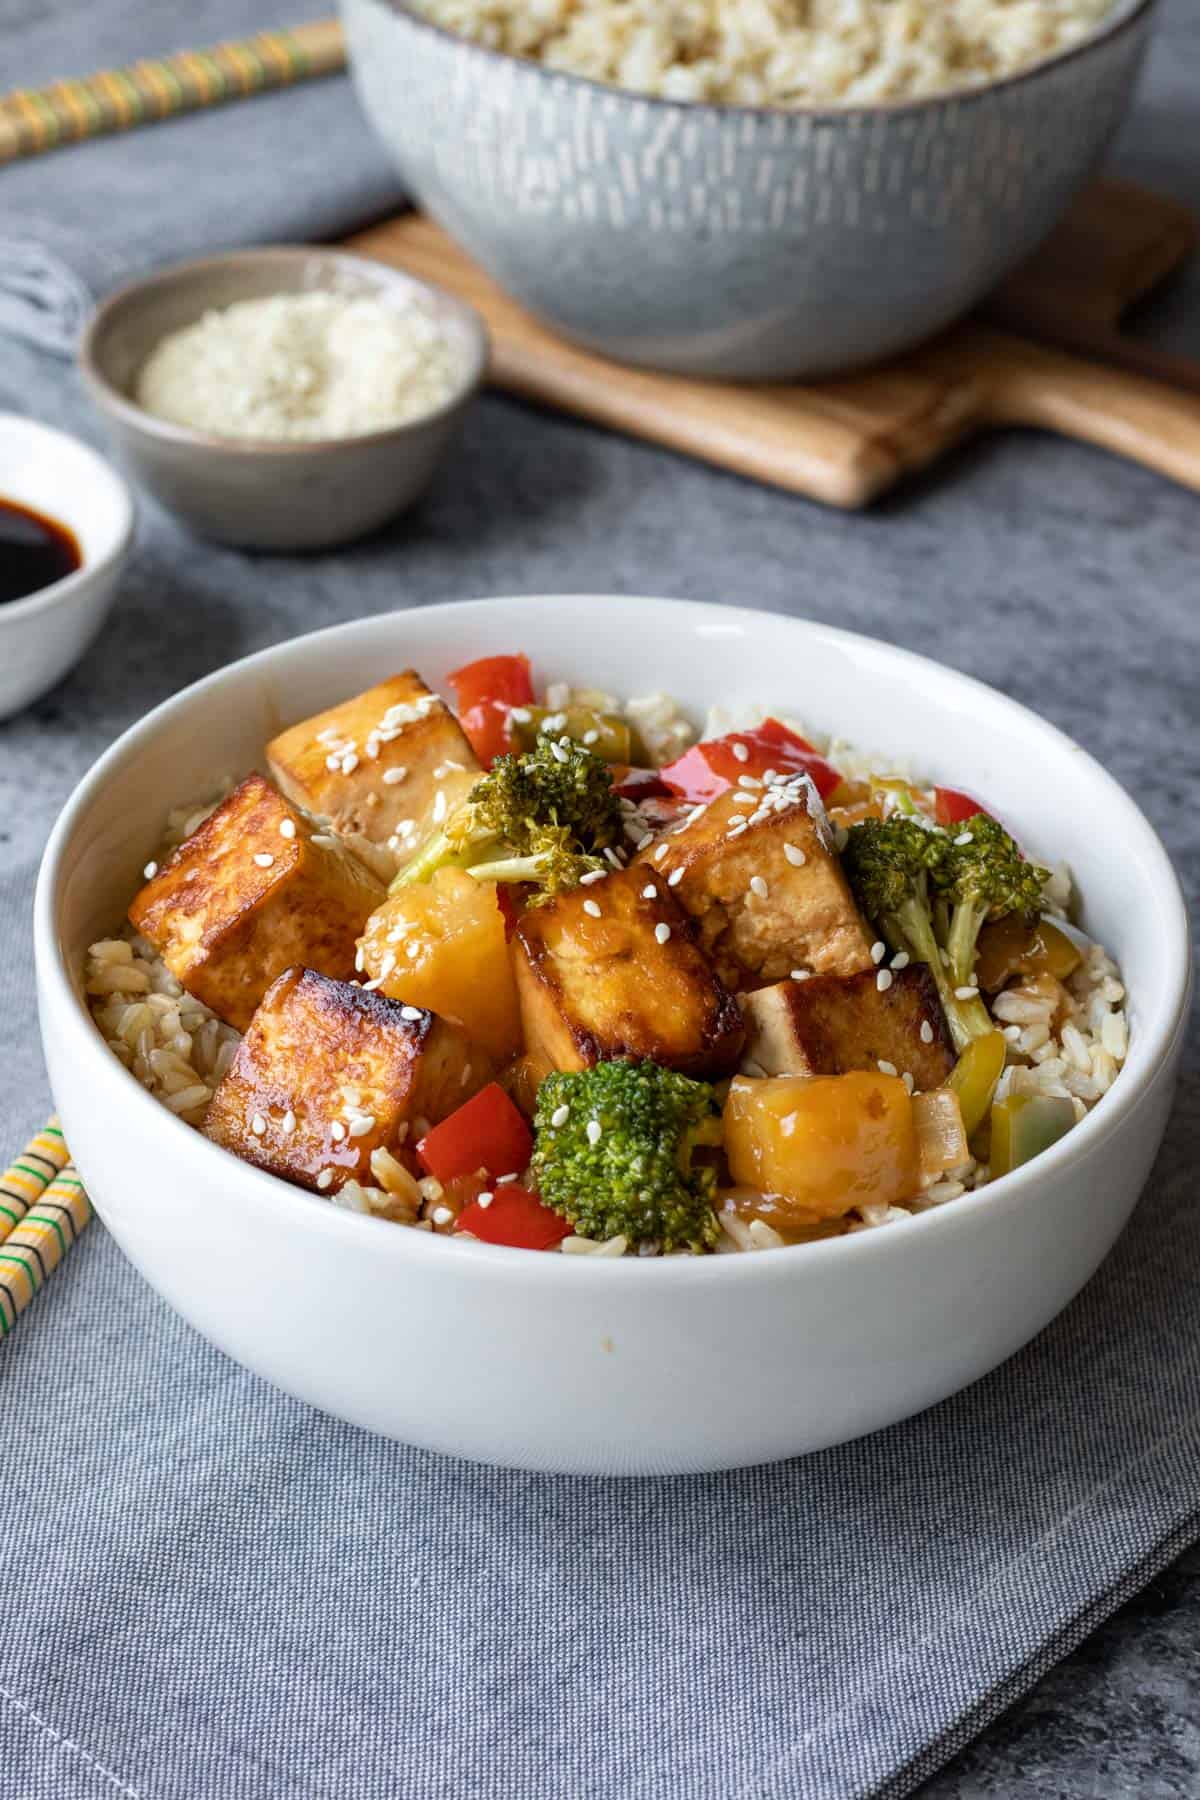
<point x="91" y="569"/>
<point x="280" y="1198"/>
<point x="1126" y="14"/>
<point x="110" y="398"/>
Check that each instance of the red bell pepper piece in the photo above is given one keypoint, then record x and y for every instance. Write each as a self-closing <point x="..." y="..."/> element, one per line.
<point x="513" y="1216"/>
<point x="952" y="807"/>
<point x="485" y="693"/>
<point x="487" y="1132"/>
<point x="707" y="769"/>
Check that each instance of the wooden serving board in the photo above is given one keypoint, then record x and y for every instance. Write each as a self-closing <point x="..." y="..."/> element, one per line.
<point x="1047" y="351"/>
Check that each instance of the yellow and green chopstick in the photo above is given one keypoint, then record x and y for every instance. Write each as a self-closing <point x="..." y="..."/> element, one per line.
<point x="43" y="1213"/>
<point x="36" y="119"/>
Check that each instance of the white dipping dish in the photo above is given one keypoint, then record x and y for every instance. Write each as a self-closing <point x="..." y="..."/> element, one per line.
<point x="583" y="1364"/>
<point x="44" y="635"/>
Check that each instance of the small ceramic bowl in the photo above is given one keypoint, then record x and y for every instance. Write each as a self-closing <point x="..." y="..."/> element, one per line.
<point x="747" y="243"/>
<point x="260" y="493"/>
<point x="44" y="635"/>
<point x="643" y="1364"/>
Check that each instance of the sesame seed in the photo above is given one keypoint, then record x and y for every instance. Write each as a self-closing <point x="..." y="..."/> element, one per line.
<point x="745" y="800"/>
<point x="325" y="1179"/>
<point x="907" y="1079"/>
<point x="387" y="965"/>
<point x="674" y="878"/>
<point x="592" y="908"/>
<point x="150" y="871"/>
<point x="360" y="962"/>
<point x="442" y="1215"/>
<point x="337" y="1131"/>
<point x="258" y="1125"/>
<point x="966" y="993"/>
<point x="412" y="951"/>
<point x="593" y="875"/>
<point x="288" y="1123"/>
<point x="758" y="886"/>
<point x="660" y="852"/>
<point x="885" y="1067"/>
<point x="406" y="828"/>
<point x="439" y="807"/>
<point x="502" y="1180"/>
<point x="392" y="776"/>
<point x="264" y="859"/>
<point x="883" y="980"/>
<point x="560" y="1115"/>
<point x="595" y="1131"/>
<point x="926" y="1032"/>
<point x="900" y="960"/>
<point x="662" y="933"/>
<point x="749" y="781"/>
<point x="612" y="856"/>
<point x="878" y="950"/>
<point x="328" y="735"/>
<point x="287" y="828"/>
<point x="591" y="737"/>
<point x="484" y="1200"/>
<point x="369" y="987"/>
<point x="558" y="753"/>
<point x="333" y="762"/>
<point x="795" y="855"/>
<point x="649" y="892"/>
<point x="411" y="1012"/>
<point x="770" y="777"/>
<point x="742" y="752"/>
<point x="350" y="762"/>
<point x="964" y="837"/>
<point x="521" y="714"/>
<point x="737" y="828"/>
<point x="647" y="837"/>
<point x="801" y="974"/>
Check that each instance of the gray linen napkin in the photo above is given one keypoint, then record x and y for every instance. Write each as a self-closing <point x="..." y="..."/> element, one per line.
<point x="213" y="1593"/>
<point x="298" y="164"/>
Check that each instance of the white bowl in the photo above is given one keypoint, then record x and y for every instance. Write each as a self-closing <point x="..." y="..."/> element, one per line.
<point x="586" y="1365"/>
<point x="44" y="635"/>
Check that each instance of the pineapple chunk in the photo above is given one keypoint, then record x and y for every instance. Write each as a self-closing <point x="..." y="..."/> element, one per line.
<point x="757" y="871"/>
<point x="327" y="1074"/>
<point x="823" y="1144"/>
<point x="255" y="890"/>
<point x="612" y="970"/>
<point x="442" y="944"/>
<point x="384" y="768"/>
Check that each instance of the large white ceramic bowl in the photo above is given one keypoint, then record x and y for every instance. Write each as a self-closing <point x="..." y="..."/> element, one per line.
<point x="580" y="1364"/>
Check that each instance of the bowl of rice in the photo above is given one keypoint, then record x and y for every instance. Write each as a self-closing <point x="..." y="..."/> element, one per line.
<point x="290" y="398"/>
<point x="748" y="189"/>
<point x="598" y="1362"/>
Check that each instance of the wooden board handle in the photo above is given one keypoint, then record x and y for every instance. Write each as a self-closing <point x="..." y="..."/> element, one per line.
<point x="1145" y="420"/>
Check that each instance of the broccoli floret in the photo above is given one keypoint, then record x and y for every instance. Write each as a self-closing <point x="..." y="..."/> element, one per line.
<point x="983" y="876"/>
<point x="891" y="865"/>
<point x="613" y="1154"/>
<point x="542" y="817"/>
<point x="928" y="892"/>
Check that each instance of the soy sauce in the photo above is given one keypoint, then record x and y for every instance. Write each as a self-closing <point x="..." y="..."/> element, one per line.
<point x="34" y="551"/>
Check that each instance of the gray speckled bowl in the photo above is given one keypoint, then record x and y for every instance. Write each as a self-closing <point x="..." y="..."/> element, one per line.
<point x="261" y="493"/>
<point x="731" y="241"/>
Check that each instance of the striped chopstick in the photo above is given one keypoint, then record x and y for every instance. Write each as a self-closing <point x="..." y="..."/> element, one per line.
<point x="43" y="1212"/>
<point x="36" y="119"/>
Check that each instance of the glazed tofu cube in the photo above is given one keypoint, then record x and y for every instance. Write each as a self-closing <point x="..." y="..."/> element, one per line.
<point x="613" y="970"/>
<point x="757" y="871"/>
<point x="833" y="1024"/>
<point x="255" y="890"/>
<point x="384" y="768"/>
<point x="328" y="1073"/>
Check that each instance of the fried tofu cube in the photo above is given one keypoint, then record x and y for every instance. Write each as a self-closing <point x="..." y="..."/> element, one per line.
<point x="255" y="890"/>
<point x="328" y="1072"/>
<point x="384" y="768"/>
<point x="613" y="970"/>
<point x="757" y="871"/>
<point x="833" y="1024"/>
